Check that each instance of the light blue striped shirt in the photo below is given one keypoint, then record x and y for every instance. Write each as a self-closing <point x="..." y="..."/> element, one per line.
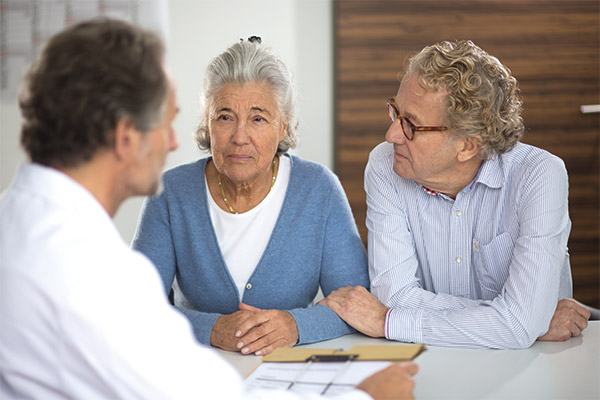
<point x="483" y="270"/>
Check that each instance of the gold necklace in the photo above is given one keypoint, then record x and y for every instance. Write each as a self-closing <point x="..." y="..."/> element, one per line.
<point x="231" y="209"/>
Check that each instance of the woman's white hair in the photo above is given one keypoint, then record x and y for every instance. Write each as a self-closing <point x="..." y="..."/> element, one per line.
<point x="248" y="62"/>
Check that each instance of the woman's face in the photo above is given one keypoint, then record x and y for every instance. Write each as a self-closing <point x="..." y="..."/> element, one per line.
<point x="245" y="128"/>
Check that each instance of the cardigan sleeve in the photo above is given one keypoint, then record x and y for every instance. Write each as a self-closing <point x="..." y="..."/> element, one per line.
<point x="153" y="238"/>
<point x="343" y="263"/>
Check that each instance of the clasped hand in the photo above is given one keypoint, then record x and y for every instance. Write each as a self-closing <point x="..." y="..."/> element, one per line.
<point x="254" y="330"/>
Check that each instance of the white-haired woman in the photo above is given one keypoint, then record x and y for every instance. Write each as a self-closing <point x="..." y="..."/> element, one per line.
<point x="245" y="237"/>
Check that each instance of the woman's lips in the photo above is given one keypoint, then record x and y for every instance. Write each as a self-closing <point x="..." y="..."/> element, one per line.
<point x="239" y="157"/>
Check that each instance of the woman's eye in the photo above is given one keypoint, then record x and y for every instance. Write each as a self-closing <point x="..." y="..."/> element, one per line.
<point x="259" y="119"/>
<point x="223" y="117"/>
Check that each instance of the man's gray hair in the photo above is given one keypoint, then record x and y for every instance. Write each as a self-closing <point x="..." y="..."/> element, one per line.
<point x="483" y="97"/>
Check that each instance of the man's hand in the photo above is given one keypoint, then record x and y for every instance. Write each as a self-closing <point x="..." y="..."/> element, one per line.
<point x="394" y="382"/>
<point x="265" y="330"/>
<point x="569" y="319"/>
<point x="359" y="308"/>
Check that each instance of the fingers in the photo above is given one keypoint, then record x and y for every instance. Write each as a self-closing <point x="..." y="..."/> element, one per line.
<point x="410" y="367"/>
<point x="271" y="329"/>
<point x="253" y="321"/>
<point x="569" y="320"/>
<point x="255" y="340"/>
<point x="574" y="316"/>
<point x="576" y="306"/>
<point x="359" y="309"/>
<point x="265" y="344"/>
<point x="247" y="307"/>
<point x="556" y="334"/>
<point x="393" y="382"/>
<point x="223" y="331"/>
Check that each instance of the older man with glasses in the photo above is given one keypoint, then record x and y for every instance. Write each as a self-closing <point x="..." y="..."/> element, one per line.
<point x="468" y="227"/>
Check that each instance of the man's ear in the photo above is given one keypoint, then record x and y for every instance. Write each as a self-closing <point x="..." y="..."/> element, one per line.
<point x="127" y="140"/>
<point x="470" y="148"/>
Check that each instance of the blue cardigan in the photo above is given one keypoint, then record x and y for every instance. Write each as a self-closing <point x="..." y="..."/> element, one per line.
<point x="314" y="242"/>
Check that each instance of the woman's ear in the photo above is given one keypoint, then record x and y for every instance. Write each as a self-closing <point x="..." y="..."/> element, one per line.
<point x="283" y="133"/>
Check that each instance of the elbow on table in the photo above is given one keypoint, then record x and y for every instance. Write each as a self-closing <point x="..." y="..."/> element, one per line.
<point x="524" y="343"/>
<point x="523" y="337"/>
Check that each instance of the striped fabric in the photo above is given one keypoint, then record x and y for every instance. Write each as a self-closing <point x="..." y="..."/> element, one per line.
<point x="483" y="270"/>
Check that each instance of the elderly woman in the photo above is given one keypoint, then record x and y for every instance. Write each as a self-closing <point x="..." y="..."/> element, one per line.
<point x="245" y="237"/>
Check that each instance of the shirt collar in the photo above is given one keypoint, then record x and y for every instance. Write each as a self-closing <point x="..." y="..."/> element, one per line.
<point x="59" y="189"/>
<point x="490" y="174"/>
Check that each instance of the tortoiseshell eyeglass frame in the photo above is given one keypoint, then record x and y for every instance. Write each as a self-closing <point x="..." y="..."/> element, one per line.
<point x="408" y="127"/>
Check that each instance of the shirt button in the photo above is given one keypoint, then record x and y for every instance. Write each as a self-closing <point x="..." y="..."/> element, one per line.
<point x="476" y="244"/>
<point x="458" y="259"/>
<point x="248" y="286"/>
<point x="458" y="213"/>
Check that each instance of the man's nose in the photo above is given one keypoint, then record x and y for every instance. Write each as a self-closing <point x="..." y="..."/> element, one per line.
<point x="395" y="134"/>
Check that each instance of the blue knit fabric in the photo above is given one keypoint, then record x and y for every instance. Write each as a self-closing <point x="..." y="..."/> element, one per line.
<point x="314" y="242"/>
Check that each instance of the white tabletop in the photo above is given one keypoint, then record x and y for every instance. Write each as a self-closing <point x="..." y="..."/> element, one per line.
<point x="548" y="370"/>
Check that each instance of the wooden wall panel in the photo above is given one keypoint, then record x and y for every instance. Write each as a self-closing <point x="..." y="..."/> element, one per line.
<point x="551" y="47"/>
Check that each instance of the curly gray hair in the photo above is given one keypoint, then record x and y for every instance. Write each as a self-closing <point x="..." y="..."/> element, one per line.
<point x="483" y="96"/>
<point x="249" y="62"/>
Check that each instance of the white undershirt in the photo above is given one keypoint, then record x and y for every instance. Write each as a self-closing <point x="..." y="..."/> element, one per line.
<point x="243" y="237"/>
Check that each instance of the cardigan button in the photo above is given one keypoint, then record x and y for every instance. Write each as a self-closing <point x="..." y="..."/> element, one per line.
<point x="248" y="286"/>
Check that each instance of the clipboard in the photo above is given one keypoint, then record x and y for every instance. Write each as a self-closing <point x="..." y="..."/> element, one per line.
<point x="404" y="352"/>
<point x="292" y="368"/>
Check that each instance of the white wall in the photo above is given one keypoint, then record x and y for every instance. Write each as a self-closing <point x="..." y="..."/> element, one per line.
<point x="299" y="31"/>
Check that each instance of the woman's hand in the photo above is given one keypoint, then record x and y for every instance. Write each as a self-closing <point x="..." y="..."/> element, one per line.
<point x="265" y="330"/>
<point x="253" y="330"/>
<point x="223" y="332"/>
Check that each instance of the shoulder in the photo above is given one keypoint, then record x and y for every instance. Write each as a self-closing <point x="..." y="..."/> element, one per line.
<point x="380" y="169"/>
<point x="304" y="172"/>
<point x="182" y="173"/>
<point x="382" y="153"/>
<point x="530" y="171"/>
<point x="305" y="167"/>
<point x="381" y="161"/>
<point x="184" y="179"/>
<point x="181" y="185"/>
<point x="525" y="159"/>
<point x="314" y="186"/>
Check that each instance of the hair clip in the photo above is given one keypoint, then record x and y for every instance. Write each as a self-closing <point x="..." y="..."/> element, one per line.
<point x="253" y="39"/>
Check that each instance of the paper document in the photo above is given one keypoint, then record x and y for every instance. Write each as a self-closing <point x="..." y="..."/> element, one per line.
<point x="326" y="378"/>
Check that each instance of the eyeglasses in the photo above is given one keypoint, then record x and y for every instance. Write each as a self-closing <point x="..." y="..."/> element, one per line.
<point x="408" y="127"/>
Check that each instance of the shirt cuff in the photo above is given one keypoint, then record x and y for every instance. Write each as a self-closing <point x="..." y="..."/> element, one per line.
<point x="404" y="325"/>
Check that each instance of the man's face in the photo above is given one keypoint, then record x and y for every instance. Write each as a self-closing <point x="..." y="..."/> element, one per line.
<point x="431" y="156"/>
<point x="155" y="146"/>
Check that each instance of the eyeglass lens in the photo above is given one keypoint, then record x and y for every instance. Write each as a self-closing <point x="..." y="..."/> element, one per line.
<point x="407" y="128"/>
<point x="406" y="125"/>
<point x="392" y="112"/>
